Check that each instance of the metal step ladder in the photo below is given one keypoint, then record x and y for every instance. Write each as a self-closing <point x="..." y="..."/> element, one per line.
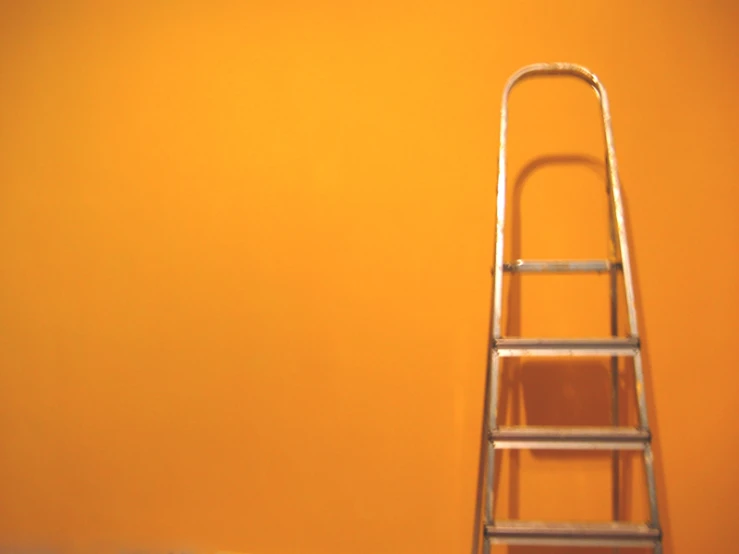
<point x="607" y="534"/>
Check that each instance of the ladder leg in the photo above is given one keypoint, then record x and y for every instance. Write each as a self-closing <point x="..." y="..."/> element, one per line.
<point x="616" y="458"/>
<point x="486" y="546"/>
<point x="615" y="418"/>
<point x="623" y="247"/>
<point x="651" y="485"/>
<point x="648" y="456"/>
<point x="491" y="425"/>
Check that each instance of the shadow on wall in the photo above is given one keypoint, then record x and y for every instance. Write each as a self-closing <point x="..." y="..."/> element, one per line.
<point x="565" y="392"/>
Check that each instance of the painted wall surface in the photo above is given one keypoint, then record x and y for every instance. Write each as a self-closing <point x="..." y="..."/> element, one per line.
<point x="244" y="267"/>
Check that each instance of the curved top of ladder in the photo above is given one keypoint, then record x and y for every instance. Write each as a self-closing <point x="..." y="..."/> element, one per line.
<point x="569" y="70"/>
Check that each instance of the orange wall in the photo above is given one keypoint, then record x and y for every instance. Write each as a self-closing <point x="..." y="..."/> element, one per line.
<point x="245" y="250"/>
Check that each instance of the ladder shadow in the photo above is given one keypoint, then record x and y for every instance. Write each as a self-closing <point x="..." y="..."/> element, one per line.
<point x="576" y="392"/>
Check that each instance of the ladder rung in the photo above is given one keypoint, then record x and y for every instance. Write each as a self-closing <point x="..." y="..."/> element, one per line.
<point x="615" y="534"/>
<point x="517" y="347"/>
<point x="560" y="266"/>
<point x="570" y="438"/>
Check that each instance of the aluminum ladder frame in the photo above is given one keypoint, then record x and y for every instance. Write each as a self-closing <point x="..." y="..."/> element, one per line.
<point x="608" y="534"/>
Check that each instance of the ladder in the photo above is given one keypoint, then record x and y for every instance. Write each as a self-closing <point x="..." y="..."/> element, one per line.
<point x="614" y="533"/>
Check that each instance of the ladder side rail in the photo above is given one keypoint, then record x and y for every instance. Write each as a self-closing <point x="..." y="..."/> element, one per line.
<point x="574" y="70"/>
